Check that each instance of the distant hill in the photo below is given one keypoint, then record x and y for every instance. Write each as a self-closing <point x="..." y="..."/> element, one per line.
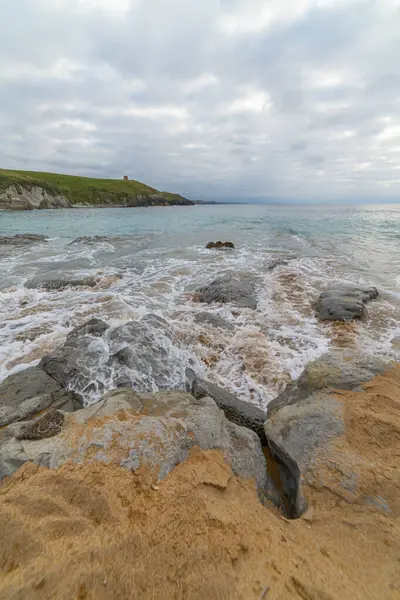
<point x="25" y="190"/>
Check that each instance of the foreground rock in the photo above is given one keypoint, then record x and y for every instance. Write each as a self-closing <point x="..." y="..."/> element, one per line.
<point x="29" y="392"/>
<point x="340" y="369"/>
<point x="142" y="354"/>
<point x="214" y="320"/>
<point x="53" y="281"/>
<point x="155" y="431"/>
<point x="238" y="289"/>
<point x="239" y="412"/>
<point x="346" y="445"/>
<point x="22" y="239"/>
<point x="344" y="303"/>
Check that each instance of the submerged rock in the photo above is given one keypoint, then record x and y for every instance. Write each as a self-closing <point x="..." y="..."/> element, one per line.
<point x="344" y="303"/>
<point x="214" y="320"/>
<point x="239" y="412"/>
<point x="96" y="239"/>
<point x="53" y="281"/>
<point x="29" y="392"/>
<point x="155" y="431"/>
<point x="22" y="239"/>
<point x="238" y="289"/>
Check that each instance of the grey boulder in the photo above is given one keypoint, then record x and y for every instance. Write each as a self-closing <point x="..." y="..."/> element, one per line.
<point x="30" y="391"/>
<point x="344" y="303"/>
<point x="235" y="410"/>
<point x="298" y="438"/>
<point x="155" y="431"/>
<point x="238" y="289"/>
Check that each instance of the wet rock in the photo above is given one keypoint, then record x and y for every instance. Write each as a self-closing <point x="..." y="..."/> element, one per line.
<point x="155" y="431"/>
<point x="29" y="392"/>
<point x="23" y="239"/>
<point x="344" y="303"/>
<point x="97" y="239"/>
<point x="238" y="289"/>
<point x="94" y="357"/>
<point x="239" y="412"/>
<point x="147" y="354"/>
<point x="214" y="320"/>
<point x="73" y="362"/>
<point x="53" y="281"/>
<point x="336" y="369"/>
<point x="220" y="245"/>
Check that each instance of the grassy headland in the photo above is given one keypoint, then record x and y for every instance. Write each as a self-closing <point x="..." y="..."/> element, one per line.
<point x="87" y="190"/>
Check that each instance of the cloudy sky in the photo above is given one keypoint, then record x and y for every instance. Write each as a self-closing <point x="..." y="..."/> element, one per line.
<point x="225" y="99"/>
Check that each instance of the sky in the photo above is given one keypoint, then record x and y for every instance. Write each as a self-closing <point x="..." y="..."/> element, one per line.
<point x="214" y="99"/>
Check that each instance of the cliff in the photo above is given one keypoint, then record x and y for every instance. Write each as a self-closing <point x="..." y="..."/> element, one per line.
<point x="28" y="190"/>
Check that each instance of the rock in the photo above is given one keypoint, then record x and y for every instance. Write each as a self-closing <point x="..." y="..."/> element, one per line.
<point x="238" y="289"/>
<point x="97" y="239"/>
<point x="147" y="354"/>
<point x="53" y="281"/>
<point x="31" y="391"/>
<point x="341" y="446"/>
<point x="336" y="369"/>
<point x="158" y="437"/>
<point x="72" y="363"/>
<point x="22" y="239"/>
<point x="219" y="245"/>
<point x="235" y="410"/>
<point x="18" y="197"/>
<point x="344" y="303"/>
<point x="295" y="435"/>
<point x="144" y="354"/>
<point x="214" y="320"/>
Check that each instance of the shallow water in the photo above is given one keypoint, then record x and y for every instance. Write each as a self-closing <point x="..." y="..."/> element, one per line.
<point x="161" y="259"/>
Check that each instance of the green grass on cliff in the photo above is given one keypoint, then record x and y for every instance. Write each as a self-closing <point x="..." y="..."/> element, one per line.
<point x="84" y="190"/>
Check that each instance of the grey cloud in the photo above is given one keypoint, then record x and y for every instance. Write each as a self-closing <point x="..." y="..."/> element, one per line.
<point x="305" y="108"/>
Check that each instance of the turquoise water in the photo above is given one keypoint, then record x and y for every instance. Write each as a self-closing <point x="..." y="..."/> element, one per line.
<point x="160" y="260"/>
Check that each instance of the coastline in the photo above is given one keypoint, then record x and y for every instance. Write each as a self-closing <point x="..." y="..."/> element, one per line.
<point x="101" y="530"/>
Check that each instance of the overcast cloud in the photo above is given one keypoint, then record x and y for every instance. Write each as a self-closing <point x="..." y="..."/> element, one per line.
<point x="241" y="99"/>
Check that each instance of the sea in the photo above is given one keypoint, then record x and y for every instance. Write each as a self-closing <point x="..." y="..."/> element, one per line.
<point x="152" y="260"/>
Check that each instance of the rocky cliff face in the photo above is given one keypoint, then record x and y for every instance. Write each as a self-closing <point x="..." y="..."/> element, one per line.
<point x="17" y="197"/>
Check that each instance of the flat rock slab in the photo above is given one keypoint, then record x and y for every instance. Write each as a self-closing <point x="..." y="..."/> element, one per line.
<point x="239" y="412"/>
<point x="344" y="303"/>
<point x="236" y="289"/>
<point x="155" y="431"/>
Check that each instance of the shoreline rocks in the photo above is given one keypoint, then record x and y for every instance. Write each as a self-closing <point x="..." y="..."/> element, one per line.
<point x="344" y="303"/>
<point x="238" y="289"/>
